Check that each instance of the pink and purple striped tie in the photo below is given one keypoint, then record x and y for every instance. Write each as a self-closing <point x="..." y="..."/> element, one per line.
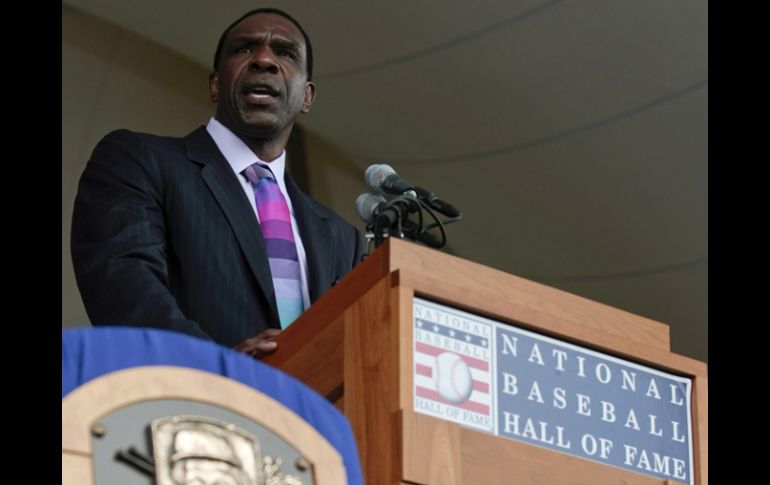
<point x="275" y="222"/>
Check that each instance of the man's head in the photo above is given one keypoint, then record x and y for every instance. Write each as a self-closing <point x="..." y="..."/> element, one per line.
<point x="261" y="79"/>
<point x="308" y="45"/>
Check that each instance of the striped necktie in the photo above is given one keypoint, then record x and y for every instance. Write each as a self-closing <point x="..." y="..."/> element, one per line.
<point x="275" y="223"/>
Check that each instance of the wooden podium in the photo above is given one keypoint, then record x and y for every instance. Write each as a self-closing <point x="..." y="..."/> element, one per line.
<point x="354" y="346"/>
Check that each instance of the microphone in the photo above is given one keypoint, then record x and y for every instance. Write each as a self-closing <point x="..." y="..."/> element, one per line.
<point x="437" y="204"/>
<point x="373" y="209"/>
<point x="382" y="178"/>
<point x="367" y="204"/>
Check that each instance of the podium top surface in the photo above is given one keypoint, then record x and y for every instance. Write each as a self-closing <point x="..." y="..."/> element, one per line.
<point x="430" y="269"/>
<point x="501" y="296"/>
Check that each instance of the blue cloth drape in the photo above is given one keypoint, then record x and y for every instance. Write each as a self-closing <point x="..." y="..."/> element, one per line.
<point x="88" y="353"/>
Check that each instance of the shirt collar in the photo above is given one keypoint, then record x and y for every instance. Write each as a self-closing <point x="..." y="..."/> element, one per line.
<point x="237" y="154"/>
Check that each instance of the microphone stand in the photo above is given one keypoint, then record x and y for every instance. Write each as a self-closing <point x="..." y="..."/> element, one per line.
<point x="384" y="226"/>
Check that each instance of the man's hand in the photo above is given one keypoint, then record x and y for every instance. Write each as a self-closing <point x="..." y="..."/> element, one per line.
<point x="259" y="345"/>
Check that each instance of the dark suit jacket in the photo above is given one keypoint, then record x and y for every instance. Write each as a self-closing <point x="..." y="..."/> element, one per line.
<point x="164" y="236"/>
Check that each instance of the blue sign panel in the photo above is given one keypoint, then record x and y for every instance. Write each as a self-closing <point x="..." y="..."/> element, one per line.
<point x="551" y="394"/>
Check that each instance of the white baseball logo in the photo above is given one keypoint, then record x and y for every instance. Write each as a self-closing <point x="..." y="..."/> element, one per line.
<point x="453" y="378"/>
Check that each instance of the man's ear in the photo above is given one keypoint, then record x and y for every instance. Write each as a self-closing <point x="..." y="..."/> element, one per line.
<point x="309" y="96"/>
<point x="213" y="87"/>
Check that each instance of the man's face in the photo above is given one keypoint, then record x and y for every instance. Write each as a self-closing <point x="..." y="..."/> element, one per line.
<point x="261" y="85"/>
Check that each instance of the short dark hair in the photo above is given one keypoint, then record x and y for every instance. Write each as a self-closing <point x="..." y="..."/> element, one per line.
<point x="308" y="46"/>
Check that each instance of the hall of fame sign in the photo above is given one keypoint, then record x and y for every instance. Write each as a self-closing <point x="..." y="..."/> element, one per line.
<point x="526" y="387"/>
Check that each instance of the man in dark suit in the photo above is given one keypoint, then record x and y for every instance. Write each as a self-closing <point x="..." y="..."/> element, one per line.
<point x="167" y="232"/>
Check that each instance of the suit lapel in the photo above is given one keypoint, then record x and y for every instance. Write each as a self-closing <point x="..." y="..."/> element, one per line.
<point x="224" y="185"/>
<point x="314" y="228"/>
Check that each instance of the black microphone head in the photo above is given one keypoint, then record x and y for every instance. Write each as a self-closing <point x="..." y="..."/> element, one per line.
<point x="367" y="204"/>
<point x="376" y="174"/>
